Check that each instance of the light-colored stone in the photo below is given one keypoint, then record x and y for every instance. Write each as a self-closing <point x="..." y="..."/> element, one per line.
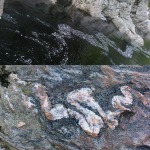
<point x="84" y="96"/>
<point x="127" y="99"/>
<point x="126" y="15"/>
<point x="59" y="112"/>
<point x="88" y="121"/>
<point x="21" y="124"/>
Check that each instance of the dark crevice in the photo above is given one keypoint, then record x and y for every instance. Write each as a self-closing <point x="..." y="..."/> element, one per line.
<point x="143" y="147"/>
<point x="0" y="128"/>
<point x="125" y="117"/>
<point x="4" y="76"/>
<point x="127" y="114"/>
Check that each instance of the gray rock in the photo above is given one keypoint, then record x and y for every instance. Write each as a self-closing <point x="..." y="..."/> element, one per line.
<point x="1" y="7"/>
<point x="53" y="107"/>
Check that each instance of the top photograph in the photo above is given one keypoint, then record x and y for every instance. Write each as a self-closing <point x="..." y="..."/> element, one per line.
<point x="74" y="32"/>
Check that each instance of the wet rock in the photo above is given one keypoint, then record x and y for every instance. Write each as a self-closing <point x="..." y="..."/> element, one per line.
<point x="40" y="111"/>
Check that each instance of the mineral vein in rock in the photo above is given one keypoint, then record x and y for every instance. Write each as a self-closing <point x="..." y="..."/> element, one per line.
<point x="127" y="99"/>
<point x="84" y="103"/>
<point x="88" y="120"/>
<point x="84" y="96"/>
<point x="40" y="92"/>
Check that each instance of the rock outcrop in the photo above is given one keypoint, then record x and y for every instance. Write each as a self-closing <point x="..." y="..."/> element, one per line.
<point x="74" y="107"/>
<point x="130" y="17"/>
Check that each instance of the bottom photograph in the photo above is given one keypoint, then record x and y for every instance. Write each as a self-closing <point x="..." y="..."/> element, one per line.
<point x="75" y="107"/>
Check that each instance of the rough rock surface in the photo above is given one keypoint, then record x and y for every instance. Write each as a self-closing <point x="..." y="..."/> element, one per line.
<point x="129" y="17"/>
<point x="75" y="107"/>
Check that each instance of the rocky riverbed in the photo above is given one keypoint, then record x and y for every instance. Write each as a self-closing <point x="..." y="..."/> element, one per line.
<point x="75" y="107"/>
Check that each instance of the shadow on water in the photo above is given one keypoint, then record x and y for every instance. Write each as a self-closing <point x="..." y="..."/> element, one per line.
<point x="29" y="36"/>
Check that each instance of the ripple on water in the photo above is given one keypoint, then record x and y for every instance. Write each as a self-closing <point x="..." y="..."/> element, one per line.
<point x="32" y="37"/>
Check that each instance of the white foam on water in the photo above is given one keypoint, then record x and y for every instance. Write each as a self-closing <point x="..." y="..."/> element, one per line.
<point x="101" y="41"/>
<point x="9" y="18"/>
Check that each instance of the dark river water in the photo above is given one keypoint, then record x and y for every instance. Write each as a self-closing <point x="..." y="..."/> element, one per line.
<point x="29" y="36"/>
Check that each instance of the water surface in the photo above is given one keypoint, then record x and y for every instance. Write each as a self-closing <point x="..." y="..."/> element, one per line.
<point x="29" y="36"/>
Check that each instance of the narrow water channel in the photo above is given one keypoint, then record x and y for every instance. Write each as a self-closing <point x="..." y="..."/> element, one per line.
<point x="29" y="36"/>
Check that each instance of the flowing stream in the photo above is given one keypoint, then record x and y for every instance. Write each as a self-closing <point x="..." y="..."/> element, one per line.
<point x="29" y="36"/>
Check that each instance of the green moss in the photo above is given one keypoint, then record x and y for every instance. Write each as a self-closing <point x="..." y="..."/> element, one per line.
<point x="26" y="91"/>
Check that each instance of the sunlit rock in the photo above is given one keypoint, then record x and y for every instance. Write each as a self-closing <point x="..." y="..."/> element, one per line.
<point x="141" y="17"/>
<point x="94" y="8"/>
<point x="14" y="78"/>
<point x="27" y="101"/>
<point x="141" y="97"/>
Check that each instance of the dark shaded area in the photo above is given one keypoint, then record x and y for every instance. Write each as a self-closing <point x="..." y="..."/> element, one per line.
<point x="143" y="148"/>
<point x="28" y="37"/>
<point x="4" y="76"/>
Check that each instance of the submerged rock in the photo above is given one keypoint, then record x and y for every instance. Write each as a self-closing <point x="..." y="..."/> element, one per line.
<point x="99" y="108"/>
